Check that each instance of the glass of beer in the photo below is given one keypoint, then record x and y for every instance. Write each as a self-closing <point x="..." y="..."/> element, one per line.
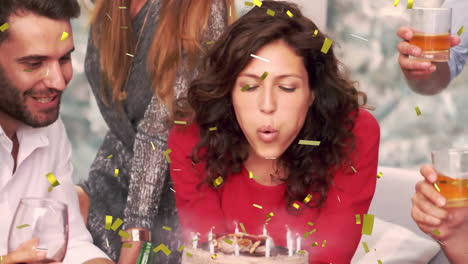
<point x="452" y="175"/>
<point x="432" y="28"/>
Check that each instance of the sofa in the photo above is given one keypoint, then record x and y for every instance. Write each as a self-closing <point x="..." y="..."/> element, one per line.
<point x="395" y="237"/>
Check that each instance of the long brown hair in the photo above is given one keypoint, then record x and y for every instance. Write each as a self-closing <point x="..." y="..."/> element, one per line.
<point x="330" y="118"/>
<point x="179" y="31"/>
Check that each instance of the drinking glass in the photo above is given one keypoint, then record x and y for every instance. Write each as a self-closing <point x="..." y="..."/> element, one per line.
<point x="431" y="28"/>
<point x="452" y="175"/>
<point x="44" y="219"/>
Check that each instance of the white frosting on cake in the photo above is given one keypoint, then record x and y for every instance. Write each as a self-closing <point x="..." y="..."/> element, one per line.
<point x="200" y="256"/>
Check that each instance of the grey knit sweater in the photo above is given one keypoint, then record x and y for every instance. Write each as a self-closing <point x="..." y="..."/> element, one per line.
<point x="141" y="193"/>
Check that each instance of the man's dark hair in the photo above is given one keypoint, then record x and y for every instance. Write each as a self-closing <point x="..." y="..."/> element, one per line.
<point x="53" y="9"/>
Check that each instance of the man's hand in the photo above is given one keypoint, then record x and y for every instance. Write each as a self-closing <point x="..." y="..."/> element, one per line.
<point x="26" y="253"/>
<point x="412" y="68"/>
<point x="130" y="255"/>
<point x="447" y="225"/>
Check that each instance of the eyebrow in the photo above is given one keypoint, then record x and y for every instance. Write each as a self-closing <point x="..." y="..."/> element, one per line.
<point x="41" y="57"/>
<point x="277" y="77"/>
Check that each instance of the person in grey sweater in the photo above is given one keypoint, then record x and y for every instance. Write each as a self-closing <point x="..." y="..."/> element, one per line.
<point x="139" y="59"/>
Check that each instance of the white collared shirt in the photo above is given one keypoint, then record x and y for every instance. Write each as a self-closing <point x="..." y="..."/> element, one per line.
<point x="42" y="151"/>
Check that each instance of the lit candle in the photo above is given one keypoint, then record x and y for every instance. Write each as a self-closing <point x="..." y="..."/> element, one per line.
<point x="194" y="240"/>
<point x="298" y="242"/>
<point x="210" y="240"/>
<point x="267" y="247"/>
<point x="289" y="241"/>
<point x="236" y="246"/>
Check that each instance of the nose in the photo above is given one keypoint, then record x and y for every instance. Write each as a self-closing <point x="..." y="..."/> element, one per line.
<point x="54" y="77"/>
<point x="267" y="100"/>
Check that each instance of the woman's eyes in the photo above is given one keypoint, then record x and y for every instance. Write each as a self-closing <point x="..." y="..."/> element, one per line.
<point x="284" y="88"/>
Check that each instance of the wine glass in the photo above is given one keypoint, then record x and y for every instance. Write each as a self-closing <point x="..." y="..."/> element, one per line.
<point x="44" y="219"/>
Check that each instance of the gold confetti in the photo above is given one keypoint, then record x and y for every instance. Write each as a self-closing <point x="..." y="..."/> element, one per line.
<point x="354" y="170"/>
<point x="152" y="145"/>
<point x="379" y="261"/>
<point x="28" y="70"/>
<point x="258" y="3"/>
<point x="270" y="12"/>
<point x="126" y="245"/>
<point x="366" y="248"/>
<point x="436" y="232"/>
<point x="309" y="142"/>
<point x="116" y="173"/>
<point x="461" y="30"/>
<point x="22" y="226"/>
<point x="213" y="128"/>
<point x="122" y="7"/>
<point x="307" y="234"/>
<point x="271" y="214"/>
<point x="396" y="2"/>
<point x="180" y="122"/>
<point x="162" y="248"/>
<point x="124" y="234"/>
<point x="229" y="241"/>
<point x="379" y="175"/>
<point x="248" y="3"/>
<point x="368" y="224"/>
<point x="310" y="223"/>
<point x="251" y="176"/>
<point x="295" y="205"/>
<point x="181" y="248"/>
<point x="289" y="13"/>
<point x="123" y="27"/>
<point x="358" y="219"/>
<point x="264" y="75"/>
<point x="110" y="156"/>
<point x="418" y="111"/>
<point x="189" y="255"/>
<point x="4" y="27"/>
<point x="213" y="256"/>
<point x="167" y="228"/>
<point x="64" y="36"/>
<point x="53" y="181"/>
<point x="326" y="45"/>
<point x="315" y="244"/>
<point x="315" y="33"/>
<point x="107" y="242"/>
<point x="307" y="199"/>
<point x="437" y="187"/>
<point x="410" y="4"/>
<point x="258" y="206"/>
<point x="117" y="224"/>
<point x="211" y="42"/>
<point x="258" y="57"/>
<point x="324" y="242"/>
<point x="243" y="228"/>
<point x="130" y="55"/>
<point x="166" y="154"/>
<point x="108" y="222"/>
<point x="218" y="181"/>
<point x="245" y="88"/>
<point x="110" y="18"/>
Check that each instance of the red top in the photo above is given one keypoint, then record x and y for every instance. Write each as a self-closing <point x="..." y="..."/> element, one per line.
<point x="335" y="222"/>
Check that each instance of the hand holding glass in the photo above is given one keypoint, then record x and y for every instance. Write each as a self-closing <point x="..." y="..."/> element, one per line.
<point x="44" y="219"/>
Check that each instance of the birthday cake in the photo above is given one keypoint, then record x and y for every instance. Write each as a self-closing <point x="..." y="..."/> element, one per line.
<point x="241" y="248"/>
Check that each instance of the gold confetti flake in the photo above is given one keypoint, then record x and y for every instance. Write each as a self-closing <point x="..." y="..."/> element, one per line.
<point x="270" y="12"/>
<point x="122" y="7"/>
<point x="258" y="57"/>
<point x="326" y="45"/>
<point x="162" y="248"/>
<point x="245" y="88"/>
<point x="289" y="14"/>
<point x="258" y="3"/>
<point x="295" y="205"/>
<point x="354" y="170"/>
<point x="315" y="33"/>
<point x="213" y="256"/>
<point x="167" y="228"/>
<point x="22" y="226"/>
<point x="368" y="224"/>
<point x="124" y="234"/>
<point x="218" y="181"/>
<point x="110" y="156"/>
<point x="189" y="255"/>
<point x="379" y="175"/>
<point x="248" y="3"/>
<point x="264" y="75"/>
<point x="117" y="224"/>
<point x="152" y="145"/>
<point x="418" y="111"/>
<point x="437" y="187"/>
<point x="229" y="241"/>
<point x="213" y="128"/>
<point x="301" y="252"/>
<point x="461" y="30"/>
<point x="124" y="27"/>
<point x="396" y="2"/>
<point x="116" y="173"/>
<point x="179" y="122"/>
<point x="436" y="232"/>
<point x="258" y="206"/>
<point x="166" y="154"/>
<point x="4" y="27"/>
<point x="410" y="4"/>
<point x="181" y="248"/>
<point x="64" y="36"/>
<point x="307" y="199"/>
<point x="243" y="228"/>
<point x="309" y="142"/>
<point x="358" y="219"/>
<point x="315" y="244"/>
<point x="324" y="242"/>
<point x="366" y="248"/>
<point x="53" y="181"/>
<point x="126" y="245"/>
<point x="27" y="70"/>
<point x="130" y="55"/>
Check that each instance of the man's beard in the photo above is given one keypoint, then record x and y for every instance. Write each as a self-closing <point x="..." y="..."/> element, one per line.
<point x="14" y="105"/>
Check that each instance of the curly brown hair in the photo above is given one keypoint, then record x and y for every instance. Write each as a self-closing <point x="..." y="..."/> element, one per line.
<point x="330" y="118"/>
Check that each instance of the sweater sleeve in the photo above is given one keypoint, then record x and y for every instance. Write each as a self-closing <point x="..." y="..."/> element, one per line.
<point x="350" y="194"/>
<point x="199" y="206"/>
<point x="149" y="164"/>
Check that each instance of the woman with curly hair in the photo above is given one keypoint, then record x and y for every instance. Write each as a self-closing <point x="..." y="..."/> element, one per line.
<point x="242" y="155"/>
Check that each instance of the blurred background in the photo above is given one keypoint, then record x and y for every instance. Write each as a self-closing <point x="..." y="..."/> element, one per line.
<point x="406" y="139"/>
